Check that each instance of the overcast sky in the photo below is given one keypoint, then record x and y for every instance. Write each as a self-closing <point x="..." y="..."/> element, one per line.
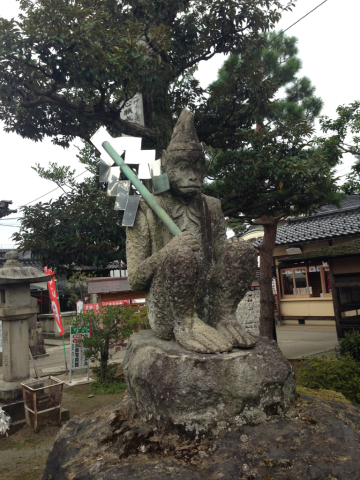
<point x="328" y="46"/>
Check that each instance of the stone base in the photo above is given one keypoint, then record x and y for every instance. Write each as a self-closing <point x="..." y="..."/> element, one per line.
<point x="170" y="385"/>
<point x="314" y="440"/>
<point x="10" y="391"/>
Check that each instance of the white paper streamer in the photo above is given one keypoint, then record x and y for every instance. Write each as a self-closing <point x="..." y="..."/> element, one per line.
<point x="4" y="422"/>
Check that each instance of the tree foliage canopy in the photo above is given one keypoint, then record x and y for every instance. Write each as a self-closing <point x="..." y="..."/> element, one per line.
<point x="343" y="136"/>
<point x="278" y="168"/>
<point x="80" y="228"/>
<point x="275" y="168"/>
<point x="69" y="66"/>
<point x="277" y="171"/>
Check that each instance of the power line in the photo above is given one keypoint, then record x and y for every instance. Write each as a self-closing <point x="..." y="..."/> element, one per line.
<point x="50" y="191"/>
<point x="345" y="168"/>
<point x="280" y="34"/>
<point x="19" y="218"/>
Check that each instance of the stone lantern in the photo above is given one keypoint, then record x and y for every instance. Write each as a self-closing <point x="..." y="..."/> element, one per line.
<point x="15" y="310"/>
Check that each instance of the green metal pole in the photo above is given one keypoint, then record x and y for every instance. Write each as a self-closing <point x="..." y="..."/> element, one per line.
<point x="140" y="187"/>
<point x="63" y="336"/>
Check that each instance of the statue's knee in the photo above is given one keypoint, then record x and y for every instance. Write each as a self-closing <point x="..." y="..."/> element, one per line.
<point x="236" y="247"/>
<point x="180" y="263"/>
<point x="238" y="257"/>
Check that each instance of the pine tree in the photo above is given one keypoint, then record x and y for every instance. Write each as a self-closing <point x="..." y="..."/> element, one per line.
<point x="278" y="169"/>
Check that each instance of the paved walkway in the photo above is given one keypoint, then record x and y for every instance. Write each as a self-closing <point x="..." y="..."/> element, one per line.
<point x="295" y="341"/>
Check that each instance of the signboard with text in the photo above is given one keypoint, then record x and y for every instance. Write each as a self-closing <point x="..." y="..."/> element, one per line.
<point x="77" y="350"/>
<point x="95" y="306"/>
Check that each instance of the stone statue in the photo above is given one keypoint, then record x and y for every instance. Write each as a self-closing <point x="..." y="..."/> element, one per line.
<point x="195" y="280"/>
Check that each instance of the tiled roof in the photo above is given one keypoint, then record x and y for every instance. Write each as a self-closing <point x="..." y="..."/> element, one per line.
<point x="114" y="265"/>
<point x="25" y="263"/>
<point x="317" y="229"/>
<point x="25" y="259"/>
<point x="351" y="201"/>
<point x="328" y="223"/>
<point x="342" y="250"/>
<point x="22" y="255"/>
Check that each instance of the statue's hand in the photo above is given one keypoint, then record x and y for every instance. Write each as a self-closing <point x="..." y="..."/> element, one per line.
<point x="183" y="240"/>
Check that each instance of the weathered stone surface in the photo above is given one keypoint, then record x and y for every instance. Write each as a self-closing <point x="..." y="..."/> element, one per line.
<point x="316" y="440"/>
<point x="248" y="312"/>
<point x="195" y="280"/>
<point x="197" y="391"/>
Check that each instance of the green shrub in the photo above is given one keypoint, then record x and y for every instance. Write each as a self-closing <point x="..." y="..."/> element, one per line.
<point x="341" y="375"/>
<point x="109" y="325"/>
<point x="350" y="345"/>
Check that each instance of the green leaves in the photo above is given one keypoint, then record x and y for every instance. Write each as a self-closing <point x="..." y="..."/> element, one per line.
<point x="276" y="168"/>
<point x="81" y="227"/>
<point x="342" y="375"/>
<point x="68" y="67"/>
<point x="248" y="180"/>
<point x="113" y="324"/>
<point x="350" y="345"/>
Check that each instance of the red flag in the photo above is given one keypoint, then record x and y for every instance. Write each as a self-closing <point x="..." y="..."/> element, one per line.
<point x="54" y="300"/>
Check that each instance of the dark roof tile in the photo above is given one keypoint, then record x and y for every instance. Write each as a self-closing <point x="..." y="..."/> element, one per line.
<point x="318" y="228"/>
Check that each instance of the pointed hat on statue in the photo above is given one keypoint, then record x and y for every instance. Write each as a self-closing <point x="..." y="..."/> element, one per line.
<point x="183" y="138"/>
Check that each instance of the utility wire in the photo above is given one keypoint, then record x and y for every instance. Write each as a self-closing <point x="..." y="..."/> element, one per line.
<point x="50" y="191"/>
<point x="277" y="36"/>
<point x="282" y="33"/>
<point x="19" y="218"/>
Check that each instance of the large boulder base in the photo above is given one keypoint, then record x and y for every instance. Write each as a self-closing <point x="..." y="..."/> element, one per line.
<point x="197" y="391"/>
<point x="314" y="440"/>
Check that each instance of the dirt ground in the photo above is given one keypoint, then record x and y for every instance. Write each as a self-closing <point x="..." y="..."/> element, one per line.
<point x="23" y="455"/>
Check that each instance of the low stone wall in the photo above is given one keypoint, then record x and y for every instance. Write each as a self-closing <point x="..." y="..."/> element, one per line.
<point x="36" y="342"/>
<point x="248" y="312"/>
<point x="48" y="325"/>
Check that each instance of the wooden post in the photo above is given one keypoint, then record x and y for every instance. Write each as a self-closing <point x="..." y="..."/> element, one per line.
<point x="336" y="303"/>
<point x="100" y="301"/>
<point x="35" y="413"/>
<point x="100" y="307"/>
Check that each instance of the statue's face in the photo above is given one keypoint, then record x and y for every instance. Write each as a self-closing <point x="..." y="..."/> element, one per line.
<point x="186" y="174"/>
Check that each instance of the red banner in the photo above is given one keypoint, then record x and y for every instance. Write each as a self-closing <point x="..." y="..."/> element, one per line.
<point x="54" y="300"/>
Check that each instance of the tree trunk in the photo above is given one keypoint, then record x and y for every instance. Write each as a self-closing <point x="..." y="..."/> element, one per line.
<point x="104" y="361"/>
<point x="267" y="303"/>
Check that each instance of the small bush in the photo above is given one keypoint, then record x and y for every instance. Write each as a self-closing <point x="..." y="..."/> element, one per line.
<point x="350" y="345"/>
<point x="342" y="375"/>
<point x="109" y="325"/>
